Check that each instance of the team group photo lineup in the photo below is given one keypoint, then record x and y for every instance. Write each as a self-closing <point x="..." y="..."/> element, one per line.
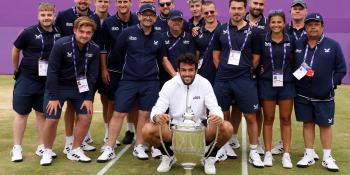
<point x="176" y="88"/>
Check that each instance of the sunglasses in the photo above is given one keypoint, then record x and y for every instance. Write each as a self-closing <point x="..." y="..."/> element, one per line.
<point x="165" y="3"/>
<point x="209" y="12"/>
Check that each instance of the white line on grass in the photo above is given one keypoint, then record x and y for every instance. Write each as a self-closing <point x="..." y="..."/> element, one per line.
<point x="244" y="147"/>
<point x="112" y="162"/>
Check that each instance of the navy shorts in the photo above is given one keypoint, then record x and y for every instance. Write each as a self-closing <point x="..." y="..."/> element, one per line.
<point x="28" y="94"/>
<point x="101" y="87"/>
<point x="319" y="112"/>
<point x="242" y="89"/>
<point x="267" y="92"/>
<point x="113" y="84"/>
<point x="146" y="92"/>
<point x="65" y="93"/>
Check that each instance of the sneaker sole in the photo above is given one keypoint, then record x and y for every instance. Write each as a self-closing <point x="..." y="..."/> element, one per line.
<point x="16" y="161"/>
<point x="46" y="164"/>
<point x="157" y="157"/>
<point x="231" y="157"/>
<point x="330" y="169"/>
<point x="251" y="162"/>
<point x="103" y="161"/>
<point x="287" y="167"/>
<point x="92" y="150"/>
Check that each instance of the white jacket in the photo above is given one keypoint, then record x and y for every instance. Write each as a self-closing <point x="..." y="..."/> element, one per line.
<point x="173" y="96"/>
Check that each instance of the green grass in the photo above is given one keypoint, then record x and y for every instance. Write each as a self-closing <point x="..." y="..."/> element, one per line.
<point x="130" y="165"/>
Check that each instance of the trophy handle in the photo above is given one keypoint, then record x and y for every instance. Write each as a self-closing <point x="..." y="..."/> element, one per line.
<point x="162" y="141"/>
<point x="215" y="140"/>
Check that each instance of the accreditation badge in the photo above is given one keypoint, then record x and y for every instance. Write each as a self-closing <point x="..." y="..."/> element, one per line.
<point x="277" y="79"/>
<point x="82" y="84"/>
<point x="301" y="71"/>
<point x="234" y="57"/>
<point x="42" y="69"/>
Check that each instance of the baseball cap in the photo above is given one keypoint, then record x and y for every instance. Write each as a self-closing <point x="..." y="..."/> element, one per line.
<point x="175" y="14"/>
<point x="299" y="2"/>
<point x="147" y="7"/>
<point x="313" y="17"/>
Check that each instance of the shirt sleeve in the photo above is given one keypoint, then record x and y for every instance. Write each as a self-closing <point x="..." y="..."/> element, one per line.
<point x="257" y="37"/>
<point x="92" y="75"/>
<point x="216" y="39"/>
<point x="192" y="46"/>
<point x="210" y="100"/>
<point x="22" y="40"/>
<point x="106" y="38"/>
<point x="339" y="67"/>
<point x="162" y="103"/>
<point x="54" y="66"/>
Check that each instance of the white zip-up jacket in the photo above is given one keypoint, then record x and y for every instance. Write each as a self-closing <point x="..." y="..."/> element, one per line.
<point x="173" y="96"/>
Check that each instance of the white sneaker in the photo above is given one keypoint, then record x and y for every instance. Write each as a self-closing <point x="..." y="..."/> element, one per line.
<point x="16" y="154"/>
<point x="88" y="139"/>
<point x="139" y="152"/>
<point x="117" y="143"/>
<point x="330" y="164"/>
<point x="315" y="156"/>
<point x="260" y="148"/>
<point x="46" y="158"/>
<point x="268" y="159"/>
<point x="278" y="148"/>
<point x="209" y="165"/>
<point x="77" y="154"/>
<point x="221" y="154"/>
<point x="86" y="147"/>
<point x="40" y="150"/>
<point x="255" y="160"/>
<point x="67" y="148"/>
<point x="286" y="161"/>
<point x="306" y="161"/>
<point x="108" y="154"/>
<point x="166" y="164"/>
<point x="234" y="143"/>
<point x="230" y="152"/>
<point x="156" y="153"/>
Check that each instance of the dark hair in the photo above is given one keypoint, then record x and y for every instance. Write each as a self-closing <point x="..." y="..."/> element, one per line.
<point x="244" y="1"/>
<point x="280" y="13"/>
<point x="187" y="58"/>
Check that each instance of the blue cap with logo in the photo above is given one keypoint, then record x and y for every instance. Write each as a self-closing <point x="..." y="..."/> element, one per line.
<point x="299" y="2"/>
<point x="175" y="14"/>
<point x="313" y="17"/>
<point x="147" y="7"/>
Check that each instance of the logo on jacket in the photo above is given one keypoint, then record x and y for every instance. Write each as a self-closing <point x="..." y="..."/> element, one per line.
<point x="157" y="28"/>
<point x="132" y="38"/>
<point x="256" y="106"/>
<point x="38" y="36"/>
<point x="155" y="43"/>
<point x="330" y="120"/>
<point x="186" y="42"/>
<point x="196" y="97"/>
<point x="57" y="35"/>
<point x="115" y="28"/>
<point x="298" y="50"/>
<point x="225" y="32"/>
<point x="69" y="24"/>
<point x="69" y="54"/>
<point x="89" y="55"/>
<point x="167" y="42"/>
<point x="267" y="44"/>
<point x="327" y="50"/>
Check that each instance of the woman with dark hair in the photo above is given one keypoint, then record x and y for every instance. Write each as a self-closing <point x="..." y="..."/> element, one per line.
<point x="276" y="84"/>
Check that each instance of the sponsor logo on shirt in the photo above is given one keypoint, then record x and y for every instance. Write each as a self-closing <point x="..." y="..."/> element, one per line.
<point x="196" y="97"/>
<point x="186" y="42"/>
<point x="38" y="36"/>
<point x="250" y="32"/>
<point x="224" y="32"/>
<point x="298" y="50"/>
<point x="158" y="28"/>
<point x="57" y="35"/>
<point x="330" y="120"/>
<point x="69" y="24"/>
<point x="256" y="106"/>
<point x="327" y="50"/>
<point x="267" y="44"/>
<point x="155" y="43"/>
<point x="89" y="55"/>
<point x="167" y="42"/>
<point x="69" y="54"/>
<point x="201" y="36"/>
<point x="261" y="27"/>
<point x="115" y="28"/>
<point x="132" y="38"/>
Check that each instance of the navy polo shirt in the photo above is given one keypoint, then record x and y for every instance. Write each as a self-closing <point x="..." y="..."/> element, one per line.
<point x="61" y="66"/>
<point x="112" y="27"/>
<point x="161" y="25"/>
<point x="295" y="33"/>
<point x="65" y="20"/>
<point x="98" y="37"/>
<point x="204" y="45"/>
<point x="328" y="64"/>
<point x="35" y="43"/>
<point x="175" y="47"/>
<point x="278" y="57"/>
<point x="262" y="22"/>
<point x="191" y="24"/>
<point x="140" y="54"/>
<point x="237" y="37"/>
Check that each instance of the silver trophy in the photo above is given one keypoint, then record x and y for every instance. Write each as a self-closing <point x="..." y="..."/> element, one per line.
<point x="188" y="141"/>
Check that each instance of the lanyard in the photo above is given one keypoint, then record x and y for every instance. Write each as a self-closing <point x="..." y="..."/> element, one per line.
<point x="175" y="43"/>
<point x="296" y="36"/>
<point x="229" y="37"/>
<point x="284" y="56"/>
<point x="43" y="43"/>
<point x="74" y="59"/>
<point x="313" y="55"/>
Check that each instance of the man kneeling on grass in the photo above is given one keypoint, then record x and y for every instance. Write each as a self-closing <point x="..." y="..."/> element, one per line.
<point x="171" y="97"/>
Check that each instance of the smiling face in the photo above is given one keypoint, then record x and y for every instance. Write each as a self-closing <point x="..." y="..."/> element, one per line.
<point x="314" y="29"/>
<point x="256" y="7"/>
<point x="46" y="18"/>
<point x="102" y="6"/>
<point x="196" y="9"/>
<point x="165" y="6"/>
<point x="83" y="34"/>
<point x="298" y="12"/>
<point x="187" y="73"/>
<point x="123" y="6"/>
<point x="237" y="11"/>
<point x="82" y="5"/>
<point x="209" y="13"/>
<point x="147" y="18"/>
<point x="276" y="24"/>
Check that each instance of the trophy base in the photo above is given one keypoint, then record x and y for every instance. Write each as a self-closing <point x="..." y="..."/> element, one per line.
<point x="188" y="167"/>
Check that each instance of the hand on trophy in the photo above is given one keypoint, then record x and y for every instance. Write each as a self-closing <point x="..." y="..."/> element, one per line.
<point x="214" y="119"/>
<point x="162" y="119"/>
